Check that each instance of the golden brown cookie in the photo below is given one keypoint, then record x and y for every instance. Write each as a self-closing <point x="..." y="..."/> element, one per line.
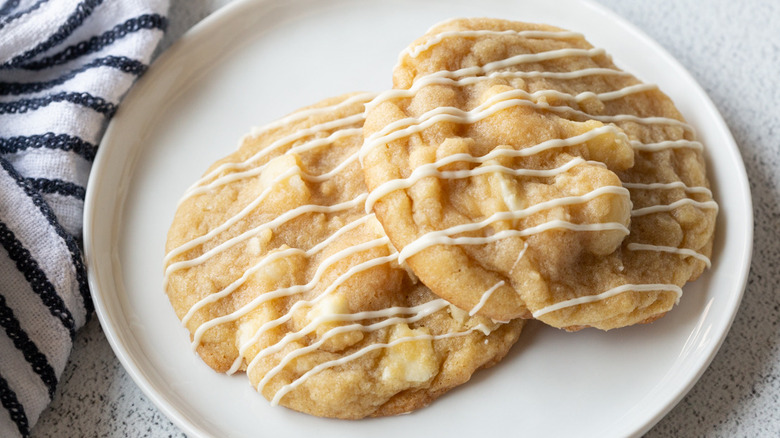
<point x="276" y="270"/>
<point x="520" y="173"/>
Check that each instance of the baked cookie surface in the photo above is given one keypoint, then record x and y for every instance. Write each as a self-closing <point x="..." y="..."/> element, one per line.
<point x="521" y="174"/>
<point x="276" y="270"/>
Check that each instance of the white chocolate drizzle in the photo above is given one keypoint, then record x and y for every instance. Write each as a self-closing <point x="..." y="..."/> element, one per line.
<point x="301" y="288"/>
<point x="669" y="207"/>
<point x="443" y="78"/>
<point x="257" y="201"/>
<point x="527" y="58"/>
<point x="471" y="75"/>
<point x="668" y="144"/>
<point x="230" y="222"/>
<point x="201" y="186"/>
<point x="346" y="127"/>
<point x="486" y="296"/>
<point x="610" y="293"/>
<point x="310" y="112"/>
<point x="444" y="236"/>
<point x="301" y="303"/>
<point x="296" y="212"/>
<point x="671" y="249"/>
<point x="363" y="351"/>
<point x="390" y="315"/>
<point x="534" y="97"/>
<point x="435" y="238"/>
<point x="669" y="186"/>
<point x="271" y="257"/>
<point x="428" y="170"/>
<point x="520" y="256"/>
<point x="415" y="51"/>
<point x="501" y="101"/>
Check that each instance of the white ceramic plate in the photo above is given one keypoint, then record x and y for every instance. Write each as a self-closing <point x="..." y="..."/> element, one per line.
<point x="255" y="61"/>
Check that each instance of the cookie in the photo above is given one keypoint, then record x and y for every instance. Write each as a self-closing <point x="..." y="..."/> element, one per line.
<point x="277" y="271"/>
<point x="522" y="174"/>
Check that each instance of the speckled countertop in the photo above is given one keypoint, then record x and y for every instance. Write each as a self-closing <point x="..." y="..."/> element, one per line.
<point x="733" y="49"/>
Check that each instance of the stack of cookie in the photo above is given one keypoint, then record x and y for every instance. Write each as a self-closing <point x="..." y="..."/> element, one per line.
<point x="364" y="255"/>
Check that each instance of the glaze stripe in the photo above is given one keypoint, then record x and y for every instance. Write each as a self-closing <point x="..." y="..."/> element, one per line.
<point x="237" y="176"/>
<point x="298" y="304"/>
<point x="451" y="114"/>
<point x="523" y="59"/>
<point x="440" y="79"/>
<point x="299" y="288"/>
<point x="317" y="142"/>
<point x="486" y="295"/>
<point x="669" y="186"/>
<point x="390" y="313"/>
<point x="428" y="170"/>
<point x="501" y="101"/>
<point x="415" y="51"/>
<point x="671" y="249"/>
<point x="444" y="238"/>
<point x="520" y="256"/>
<point x="679" y="203"/>
<point x="269" y="258"/>
<point x="281" y="219"/>
<point x="232" y="220"/>
<point x="608" y="294"/>
<point x="668" y="144"/>
<point x="325" y="365"/>
<point x="432" y="237"/>
<point x="307" y="113"/>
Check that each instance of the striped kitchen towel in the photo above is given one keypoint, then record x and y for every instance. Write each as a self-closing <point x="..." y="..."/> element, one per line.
<point x="64" y="67"/>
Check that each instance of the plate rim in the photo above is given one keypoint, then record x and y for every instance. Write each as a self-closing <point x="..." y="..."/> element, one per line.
<point x="234" y="9"/>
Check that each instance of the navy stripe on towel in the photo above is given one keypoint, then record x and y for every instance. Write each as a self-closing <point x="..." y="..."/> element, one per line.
<point x="49" y="140"/>
<point x="70" y="241"/>
<point x="147" y="21"/>
<point x="57" y="186"/>
<point x="6" y="20"/>
<point x="30" y="351"/>
<point x="62" y="56"/>
<point x="122" y="63"/>
<point x="15" y="409"/>
<point x="8" y="7"/>
<point x="85" y="99"/>
<point x="73" y="22"/>
<point x="32" y="272"/>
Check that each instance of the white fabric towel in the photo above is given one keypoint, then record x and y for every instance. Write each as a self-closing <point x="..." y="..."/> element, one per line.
<point x="64" y="67"/>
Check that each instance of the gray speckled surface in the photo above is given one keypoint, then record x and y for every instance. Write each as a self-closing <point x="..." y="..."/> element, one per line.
<point x="733" y="50"/>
